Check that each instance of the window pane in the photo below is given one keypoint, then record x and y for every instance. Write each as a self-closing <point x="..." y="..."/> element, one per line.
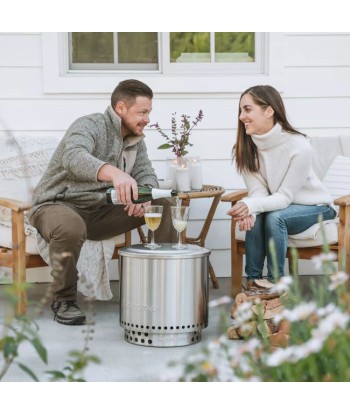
<point x="92" y="47"/>
<point x="234" y="47"/>
<point x="190" y="47"/>
<point x="137" y="47"/>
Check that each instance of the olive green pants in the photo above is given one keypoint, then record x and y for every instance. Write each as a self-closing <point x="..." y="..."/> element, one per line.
<point x="65" y="229"/>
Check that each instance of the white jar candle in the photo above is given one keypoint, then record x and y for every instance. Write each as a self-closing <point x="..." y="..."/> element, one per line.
<point x="171" y="173"/>
<point x="183" y="180"/>
<point x="196" y="173"/>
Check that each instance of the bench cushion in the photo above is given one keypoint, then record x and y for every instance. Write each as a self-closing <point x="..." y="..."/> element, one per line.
<point x="313" y="236"/>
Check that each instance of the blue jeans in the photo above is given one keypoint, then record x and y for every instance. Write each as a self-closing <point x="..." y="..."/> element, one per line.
<point x="277" y="225"/>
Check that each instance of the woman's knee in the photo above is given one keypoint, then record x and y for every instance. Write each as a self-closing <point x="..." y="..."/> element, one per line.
<point x="273" y="221"/>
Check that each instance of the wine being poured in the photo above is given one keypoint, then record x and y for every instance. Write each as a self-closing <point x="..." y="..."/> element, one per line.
<point x="146" y="194"/>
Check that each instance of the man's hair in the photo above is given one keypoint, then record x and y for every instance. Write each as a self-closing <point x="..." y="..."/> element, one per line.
<point x="128" y="90"/>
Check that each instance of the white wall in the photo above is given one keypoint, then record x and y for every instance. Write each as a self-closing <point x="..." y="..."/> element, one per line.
<point x="312" y="71"/>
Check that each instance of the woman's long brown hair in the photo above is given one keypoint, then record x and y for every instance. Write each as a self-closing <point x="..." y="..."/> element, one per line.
<point x="245" y="151"/>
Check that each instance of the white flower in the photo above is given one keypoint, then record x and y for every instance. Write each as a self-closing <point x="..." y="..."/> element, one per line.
<point x="330" y="323"/>
<point x="324" y="311"/>
<point x="337" y="279"/>
<point x="279" y="357"/>
<point x="298" y="313"/>
<point x="243" y="313"/>
<point x="282" y="285"/>
<point x="319" y="260"/>
<point x="220" y="301"/>
<point x="251" y="345"/>
<point x="314" y="345"/>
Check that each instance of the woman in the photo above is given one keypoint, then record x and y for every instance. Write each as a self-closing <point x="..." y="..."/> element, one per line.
<point x="285" y="197"/>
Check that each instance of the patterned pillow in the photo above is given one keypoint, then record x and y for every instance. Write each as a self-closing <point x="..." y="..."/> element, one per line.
<point x="24" y="165"/>
<point x="19" y="174"/>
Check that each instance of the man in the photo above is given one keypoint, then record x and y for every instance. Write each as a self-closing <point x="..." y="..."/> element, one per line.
<point x="97" y="151"/>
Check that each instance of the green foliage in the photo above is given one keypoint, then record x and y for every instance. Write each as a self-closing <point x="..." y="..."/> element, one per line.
<point x="17" y="331"/>
<point x="76" y="365"/>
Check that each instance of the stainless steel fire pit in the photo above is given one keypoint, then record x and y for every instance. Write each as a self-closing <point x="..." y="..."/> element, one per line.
<point x="163" y="294"/>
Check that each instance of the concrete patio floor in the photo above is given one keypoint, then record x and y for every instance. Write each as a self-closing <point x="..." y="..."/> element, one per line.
<point x="120" y="360"/>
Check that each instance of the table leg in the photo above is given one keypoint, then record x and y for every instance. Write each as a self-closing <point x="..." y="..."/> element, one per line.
<point x="200" y="239"/>
<point x="213" y="278"/>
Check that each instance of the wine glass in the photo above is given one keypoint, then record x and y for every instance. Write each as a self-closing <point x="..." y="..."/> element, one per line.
<point x="179" y="216"/>
<point x="153" y="217"/>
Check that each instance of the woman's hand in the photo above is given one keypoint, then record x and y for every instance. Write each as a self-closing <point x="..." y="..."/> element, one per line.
<point x="247" y="223"/>
<point x="239" y="211"/>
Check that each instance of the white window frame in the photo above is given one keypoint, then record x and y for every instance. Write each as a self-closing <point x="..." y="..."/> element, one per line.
<point x="169" y="78"/>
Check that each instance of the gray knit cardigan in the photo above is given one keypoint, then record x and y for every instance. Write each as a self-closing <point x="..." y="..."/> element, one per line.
<point x="89" y="143"/>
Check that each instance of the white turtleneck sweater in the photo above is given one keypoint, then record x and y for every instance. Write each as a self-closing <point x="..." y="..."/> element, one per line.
<point x="286" y="175"/>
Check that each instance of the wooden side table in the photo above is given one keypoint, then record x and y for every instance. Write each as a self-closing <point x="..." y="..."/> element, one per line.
<point x="210" y="191"/>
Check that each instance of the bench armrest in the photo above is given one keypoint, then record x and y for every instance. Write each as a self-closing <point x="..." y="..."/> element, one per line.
<point x="234" y="196"/>
<point x="342" y="201"/>
<point x="14" y="204"/>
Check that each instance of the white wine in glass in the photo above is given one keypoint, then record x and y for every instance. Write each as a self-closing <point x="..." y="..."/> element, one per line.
<point x="179" y="216"/>
<point x="153" y="217"/>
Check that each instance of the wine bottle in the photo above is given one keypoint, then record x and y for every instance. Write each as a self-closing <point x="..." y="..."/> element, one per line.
<point x="145" y="194"/>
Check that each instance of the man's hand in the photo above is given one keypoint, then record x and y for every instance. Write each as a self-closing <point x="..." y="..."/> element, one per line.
<point x="122" y="182"/>
<point x="137" y="210"/>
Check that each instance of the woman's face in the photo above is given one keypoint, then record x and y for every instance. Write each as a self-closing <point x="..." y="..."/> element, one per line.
<point x="256" y="120"/>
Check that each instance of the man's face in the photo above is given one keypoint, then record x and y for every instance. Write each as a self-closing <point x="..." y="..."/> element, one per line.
<point x="134" y="117"/>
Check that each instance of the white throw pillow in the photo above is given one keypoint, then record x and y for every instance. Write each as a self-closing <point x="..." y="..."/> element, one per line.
<point x="21" y="168"/>
<point x="337" y="178"/>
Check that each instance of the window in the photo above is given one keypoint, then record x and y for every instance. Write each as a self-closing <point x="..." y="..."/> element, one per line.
<point x="176" y="62"/>
<point x="212" y="47"/>
<point x="166" y="52"/>
<point x="124" y="50"/>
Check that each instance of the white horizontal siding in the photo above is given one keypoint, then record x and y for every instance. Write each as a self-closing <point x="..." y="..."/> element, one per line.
<point x="319" y="112"/>
<point x="20" y="49"/>
<point x="20" y="82"/>
<point x="311" y="70"/>
<point x="208" y="144"/>
<point x="312" y="49"/>
<point x="58" y="114"/>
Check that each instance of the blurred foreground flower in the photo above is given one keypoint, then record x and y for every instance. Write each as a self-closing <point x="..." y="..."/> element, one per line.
<point x="317" y="324"/>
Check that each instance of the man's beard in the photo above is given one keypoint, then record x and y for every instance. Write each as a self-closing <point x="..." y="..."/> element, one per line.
<point x="133" y="130"/>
